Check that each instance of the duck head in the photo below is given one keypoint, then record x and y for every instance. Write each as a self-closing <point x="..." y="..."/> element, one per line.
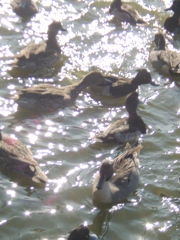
<point x="54" y="27"/>
<point x="159" y="41"/>
<point x="144" y="77"/>
<point x="81" y="233"/>
<point x="105" y="173"/>
<point x="116" y="4"/>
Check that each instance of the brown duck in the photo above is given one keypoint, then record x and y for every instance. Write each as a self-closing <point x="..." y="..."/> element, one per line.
<point x="46" y="97"/>
<point x="125" y="129"/>
<point x="81" y="233"/>
<point x="42" y="55"/>
<point x="24" y="8"/>
<point x="16" y="157"/>
<point x="118" y="178"/>
<point x="121" y="86"/>
<point x="125" y="13"/>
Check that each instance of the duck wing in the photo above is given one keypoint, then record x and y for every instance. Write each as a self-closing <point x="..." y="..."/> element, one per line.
<point x="108" y="135"/>
<point x="132" y="13"/>
<point x="12" y="151"/>
<point x="172" y="59"/>
<point x="32" y="49"/>
<point x="41" y="89"/>
<point x="125" y="164"/>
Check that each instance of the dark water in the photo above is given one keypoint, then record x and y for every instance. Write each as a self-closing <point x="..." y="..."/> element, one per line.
<point x="60" y="141"/>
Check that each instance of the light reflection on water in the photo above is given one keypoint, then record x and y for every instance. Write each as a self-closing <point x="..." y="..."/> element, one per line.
<point x="60" y="141"/>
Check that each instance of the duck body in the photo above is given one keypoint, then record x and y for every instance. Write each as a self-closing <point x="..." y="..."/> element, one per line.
<point x="42" y="55"/>
<point x="172" y="24"/>
<point x="45" y="97"/>
<point x="24" y="8"/>
<point x="120" y="86"/>
<point x="81" y="233"/>
<point x="118" y="178"/>
<point x="125" y="13"/>
<point x="16" y="157"/>
<point x="165" y="61"/>
<point x="125" y="129"/>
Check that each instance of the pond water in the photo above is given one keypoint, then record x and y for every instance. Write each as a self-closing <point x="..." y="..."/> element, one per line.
<point x="60" y="141"/>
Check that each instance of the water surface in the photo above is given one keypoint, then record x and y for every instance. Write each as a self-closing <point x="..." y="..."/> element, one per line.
<point x="60" y="141"/>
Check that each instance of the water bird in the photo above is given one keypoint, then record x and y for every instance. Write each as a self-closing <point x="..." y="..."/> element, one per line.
<point x="46" y="97"/>
<point x="42" y="55"/>
<point x="116" y="179"/>
<point x="24" y="8"/>
<point x="125" y="129"/>
<point x="172" y="24"/>
<point x="121" y="86"/>
<point x="16" y="157"/>
<point x="125" y="13"/>
<point x="81" y="233"/>
<point x="165" y="61"/>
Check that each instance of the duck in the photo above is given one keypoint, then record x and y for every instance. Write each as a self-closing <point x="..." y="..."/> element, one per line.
<point x="42" y="55"/>
<point x="125" y="13"/>
<point x="125" y="129"/>
<point x="165" y="61"/>
<point x="120" y="86"/>
<point x="24" y="8"/>
<point x="49" y="98"/>
<point x="172" y="24"/>
<point x="15" y="157"/>
<point x="81" y="233"/>
<point x="116" y="179"/>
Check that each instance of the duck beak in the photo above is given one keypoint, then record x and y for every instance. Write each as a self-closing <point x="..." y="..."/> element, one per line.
<point x="154" y="84"/>
<point x="101" y="182"/>
<point x="63" y="29"/>
<point x="167" y="9"/>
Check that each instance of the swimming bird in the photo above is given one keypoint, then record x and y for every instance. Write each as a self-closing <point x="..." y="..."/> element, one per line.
<point x="125" y="129"/>
<point x="121" y="86"/>
<point x="42" y="55"/>
<point x="16" y="157"/>
<point x="46" y="97"/>
<point x="165" y="61"/>
<point x="172" y="24"/>
<point x="24" y="8"/>
<point x="125" y="13"/>
<point x="81" y="233"/>
<point x="118" y="178"/>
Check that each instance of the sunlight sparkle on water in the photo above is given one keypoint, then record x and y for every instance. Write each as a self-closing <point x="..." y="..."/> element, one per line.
<point x="12" y="193"/>
<point x="53" y="211"/>
<point x="27" y="213"/>
<point x="32" y="138"/>
<point x="149" y="226"/>
<point x="69" y="208"/>
<point x="165" y="227"/>
<point x="49" y="122"/>
<point x="60" y="183"/>
<point x="3" y="221"/>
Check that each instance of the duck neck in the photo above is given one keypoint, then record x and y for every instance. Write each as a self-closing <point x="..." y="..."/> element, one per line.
<point x="135" y="82"/>
<point x="133" y="114"/>
<point x="52" y="38"/>
<point x="104" y="194"/>
<point x="82" y="85"/>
